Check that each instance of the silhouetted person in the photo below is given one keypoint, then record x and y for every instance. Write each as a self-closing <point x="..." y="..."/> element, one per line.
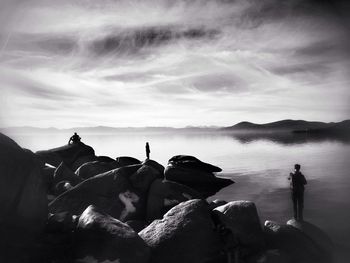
<point x="148" y="151"/>
<point x="297" y="188"/>
<point x="74" y="139"/>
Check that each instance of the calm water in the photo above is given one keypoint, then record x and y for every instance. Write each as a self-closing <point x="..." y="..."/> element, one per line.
<point x="259" y="166"/>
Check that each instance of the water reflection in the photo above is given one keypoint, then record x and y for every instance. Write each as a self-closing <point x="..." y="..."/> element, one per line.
<point x="286" y="138"/>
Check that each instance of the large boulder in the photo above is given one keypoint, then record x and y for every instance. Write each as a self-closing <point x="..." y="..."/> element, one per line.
<point x="93" y="168"/>
<point x="64" y="173"/>
<point x="22" y="197"/>
<point x="163" y="195"/>
<point x="241" y="217"/>
<point x="185" y="234"/>
<point x="193" y="163"/>
<point x="317" y="235"/>
<point x="298" y="247"/>
<point x="90" y="169"/>
<point x="68" y="154"/>
<point x="155" y="165"/>
<point x="102" y="238"/>
<point x="126" y="160"/>
<point x="116" y="192"/>
<point x="196" y="174"/>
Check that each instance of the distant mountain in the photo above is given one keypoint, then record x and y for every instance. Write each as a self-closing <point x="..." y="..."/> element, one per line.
<point x="279" y="126"/>
<point x="340" y="128"/>
<point x="106" y="130"/>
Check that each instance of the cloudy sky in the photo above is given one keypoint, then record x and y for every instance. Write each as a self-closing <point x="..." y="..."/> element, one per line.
<point x="172" y="63"/>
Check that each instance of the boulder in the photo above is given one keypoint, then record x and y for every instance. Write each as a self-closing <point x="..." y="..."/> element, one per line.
<point x="317" y="235"/>
<point x="186" y="234"/>
<point x="64" y="173"/>
<point x="216" y="203"/>
<point x="102" y="238"/>
<point x="155" y="165"/>
<point x="191" y="162"/>
<point x="163" y="195"/>
<point x="90" y="169"/>
<point x="241" y="217"/>
<point x="23" y="198"/>
<point x="68" y="154"/>
<point x="81" y="160"/>
<point x="195" y="174"/>
<point x="137" y="225"/>
<point x="126" y="161"/>
<point x="117" y="192"/>
<point x="298" y="247"/>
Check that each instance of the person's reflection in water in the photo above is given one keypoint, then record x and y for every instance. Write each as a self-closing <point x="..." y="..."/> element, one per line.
<point x="297" y="190"/>
<point x="74" y="139"/>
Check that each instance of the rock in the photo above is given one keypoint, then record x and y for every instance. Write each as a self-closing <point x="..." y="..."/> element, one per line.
<point x="117" y="192"/>
<point x="191" y="162"/>
<point x="216" y="203"/>
<point x="126" y="161"/>
<point x="186" y="234"/>
<point x="144" y="177"/>
<point x="102" y="238"/>
<point x="241" y="217"/>
<point x="93" y="168"/>
<point x="317" y="235"/>
<point x="163" y="195"/>
<point x="68" y="154"/>
<point x="23" y="198"/>
<point x="298" y="247"/>
<point x="104" y="159"/>
<point x="90" y="169"/>
<point x="81" y="160"/>
<point x="48" y="173"/>
<point x="64" y="173"/>
<point x="195" y="174"/>
<point x="137" y="225"/>
<point x="155" y="165"/>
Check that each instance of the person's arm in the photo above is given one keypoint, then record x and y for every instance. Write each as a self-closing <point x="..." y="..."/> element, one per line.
<point x="69" y="140"/>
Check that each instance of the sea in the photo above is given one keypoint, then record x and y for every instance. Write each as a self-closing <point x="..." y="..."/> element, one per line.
<point x="259" y="164"/>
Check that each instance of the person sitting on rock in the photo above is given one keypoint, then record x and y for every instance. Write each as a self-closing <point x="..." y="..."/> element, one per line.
<point x="74" y="139"/>
<point x="147" y="150"/>
<point x="297" y="189"/>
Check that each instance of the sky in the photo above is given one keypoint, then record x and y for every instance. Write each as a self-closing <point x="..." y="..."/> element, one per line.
<point x="173" y="63"/>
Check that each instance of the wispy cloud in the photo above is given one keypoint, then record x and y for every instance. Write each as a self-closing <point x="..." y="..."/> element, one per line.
<point x="176" y="63"/>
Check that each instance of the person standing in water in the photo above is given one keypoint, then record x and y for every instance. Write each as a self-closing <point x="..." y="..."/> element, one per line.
<point x="297" y="190"/>
<point x="148" y="151"/>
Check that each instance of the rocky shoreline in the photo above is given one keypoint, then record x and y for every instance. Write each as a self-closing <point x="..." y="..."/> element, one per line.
<point x="69" y="205"/>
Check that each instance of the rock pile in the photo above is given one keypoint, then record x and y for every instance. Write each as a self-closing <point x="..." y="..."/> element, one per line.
<point x="126" y="211"/>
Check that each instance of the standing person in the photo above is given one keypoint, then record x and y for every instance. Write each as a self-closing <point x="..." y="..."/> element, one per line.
<point x="148" y="151"/>
<point x="74" y="139"/>
<point x="297" y="189"/>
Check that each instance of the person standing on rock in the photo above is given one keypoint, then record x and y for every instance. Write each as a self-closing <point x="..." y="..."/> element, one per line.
<point x="148" y="151"/>
<point x="297" y="188"/>
<point x="74" y="139"/>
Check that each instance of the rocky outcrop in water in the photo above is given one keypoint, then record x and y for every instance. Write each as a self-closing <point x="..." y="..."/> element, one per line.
<point x="165" y="220"/>
<point x="196" y="174"/>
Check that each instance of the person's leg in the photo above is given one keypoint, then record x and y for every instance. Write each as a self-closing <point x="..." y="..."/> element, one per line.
<point x="300" y="205"/>
<point x="295" y="208"/>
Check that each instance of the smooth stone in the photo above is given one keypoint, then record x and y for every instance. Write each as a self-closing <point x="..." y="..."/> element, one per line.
<point x="163" y="195"/>
<point x="242" y="218"/>
<point x="216" y="203"/>
<point x="192" y="162"/>
<point x="23" y="199"/>
<point x="90" y="169"/>
<point x="64" y="173"/>
<point x="68" y="154"/>
<point x="102" y="238"/>
<point x="186" y="234"/>
<point x="127" y="160"/>
<point x="155" y="165"/>
<point x="113" y="191"/>
<point x="298" y="247"/>
<point x="204" y="182"/>
<point x="316" y="234"/>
